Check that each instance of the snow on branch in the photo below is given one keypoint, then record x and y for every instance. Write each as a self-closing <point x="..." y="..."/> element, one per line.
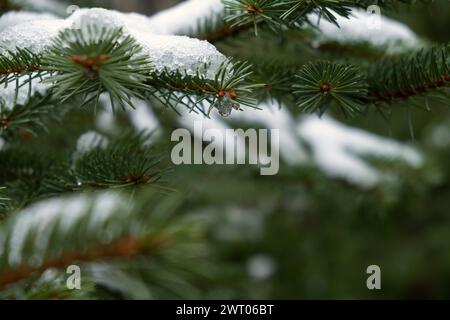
<point x="389" y="32"/>
<point x="166" y="52"/>
<point x="17" y="17"/>
<point x="186" y="16"/>
<point x="13" y="95"/>
<point x="338" y="150"/>
<point x="83" y="228"/>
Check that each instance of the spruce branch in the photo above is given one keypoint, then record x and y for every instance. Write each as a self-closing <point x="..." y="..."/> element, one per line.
<point x="215" y="29"/>
<point x="321" y="84"/>
<point x="242" y="15"/>
<point x="298" y="9"/>
<point x="3" y="199"/>
<point x="29" y="118"/>
<point x="127" y="161"/>
<point x="277" y="80"/>
<point x="90" y="61"/>
<point x="245" y="13"/>
<point x="102" y="227"/>
<point x="410" y="75"/>
<point x="15" y="64"/>
<point x="286" y="14"/>
<point x="22" y="173"/>
<point x="229" y="89"/>
<point x="8" y="5"/>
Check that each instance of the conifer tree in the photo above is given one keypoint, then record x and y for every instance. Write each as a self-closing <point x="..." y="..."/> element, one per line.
<point x="90" y="97"/>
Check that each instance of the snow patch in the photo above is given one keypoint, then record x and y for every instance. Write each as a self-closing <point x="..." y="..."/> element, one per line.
<point x="336" y="149"/>
<point x="8" y="93"/>
<point x="186" y="16"/>
<point x="168" y="52"/>
<point x="35" y="36"/>
<point x="390" y="32"/>
<point x="17" y="17"/>
<point x="89" y="141"/>
<point x="274" y="116"/>
<point x="42" y="5"/>
<point x="144" y="120"/>
<point x="188" y="55"/>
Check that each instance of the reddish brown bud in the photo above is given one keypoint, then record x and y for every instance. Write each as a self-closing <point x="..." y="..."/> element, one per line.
<point x="325" y="88"/>
<point x="24" y="135"/>
<point x="103" y="57"/>
<point x="128" y="247"/>
<point x="76" y="59"/>
<point x="439" y="83"/>
<point x="232" y="94"/>
<point x="252" y="9"/>
<point x="89" y="63"/>
<point x="4" y="123"/>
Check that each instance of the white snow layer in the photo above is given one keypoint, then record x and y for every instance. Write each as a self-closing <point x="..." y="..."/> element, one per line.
<point x="337" y="150"/>
<point x="8" y="93"/>
<point x="35" y="35"/>
<point x="167" y="52"/>
<point x="185" y="16"/>
<point x="13" y="18"/>
<point x="273" y="116"/>
<point x="387" y="32"/>
<point x="89" y="141"/>
<point x="143" y="118"/>
<point x="54" y="6"/>
<point x="182" y="53"/>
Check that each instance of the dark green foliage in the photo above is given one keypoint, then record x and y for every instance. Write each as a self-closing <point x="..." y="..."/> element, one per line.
<point x="327" y="9"/>
<point x="292" y="13"/>
<point x="29" y="118"/>
<point x="413" y="74"/>
<point x="277" y="80"/>
<point x="130" y="230"/>
<point x="173" y="89"/>
<point x="321" y="84"/>
<point x="3" y="198"/>
<point x="13" y="64"/>
<point x="245" y="13"/>
<point x="89" y="61"/>
<point x="22" y="174"/>
<point x="124" y="162"/>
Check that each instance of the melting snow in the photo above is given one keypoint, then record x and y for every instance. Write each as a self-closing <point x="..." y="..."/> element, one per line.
<point x="186" y="16"/>
<point x="166" y="52"/>
<point x="389" y="32"/>
<point x="89" y="141"/>
<point x="34" y="35"/>
<point x="16" y="17"/>
<point x="7" y="94"/>
<point x="337" y="149"/>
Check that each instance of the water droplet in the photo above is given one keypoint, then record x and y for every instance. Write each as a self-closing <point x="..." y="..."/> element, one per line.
<point x="225" y="105"/>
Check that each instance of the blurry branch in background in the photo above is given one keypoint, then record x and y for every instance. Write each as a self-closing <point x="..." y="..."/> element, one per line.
<point x="84" y="228"/>
<point x="420" y="73"/>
